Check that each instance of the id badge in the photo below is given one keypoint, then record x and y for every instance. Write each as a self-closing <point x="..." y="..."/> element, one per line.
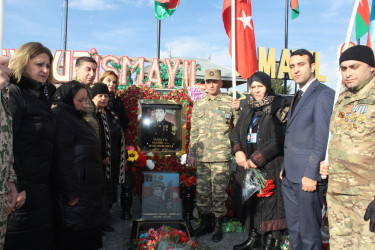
<point x="251" y="138"/>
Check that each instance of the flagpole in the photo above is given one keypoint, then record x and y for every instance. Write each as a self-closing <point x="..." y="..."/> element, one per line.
<point x="66" y="26"/>
<point x="158" y="40"/>
<point x="2" y="3"/>
<point x="339" y="77"/>
<point x="62" y="64"/>
<point x="233" y="29"/>
<point x="286" y="24"/>
<point x="286" y="37"/>
<point x="351" y="24"/>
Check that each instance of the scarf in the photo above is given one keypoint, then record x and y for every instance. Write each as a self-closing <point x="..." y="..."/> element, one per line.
<point x="263" y="105"/>
<point x="107" y="136"/>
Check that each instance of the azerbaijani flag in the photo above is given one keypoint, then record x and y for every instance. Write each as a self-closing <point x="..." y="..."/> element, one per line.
<point x="165" y="8"/>
<point x="295" y="8"/>
<point x="362" y="19"/>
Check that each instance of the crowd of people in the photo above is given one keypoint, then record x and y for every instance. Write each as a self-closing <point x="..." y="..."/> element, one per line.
<point x="287" y="143"/>
<point x="63" y="153"/>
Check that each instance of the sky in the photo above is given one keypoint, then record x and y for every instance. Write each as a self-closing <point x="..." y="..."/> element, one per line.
<point x="128" y="27"/>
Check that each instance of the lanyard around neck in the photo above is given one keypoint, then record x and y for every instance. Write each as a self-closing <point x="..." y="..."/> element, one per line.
<point x="252" y="123"/>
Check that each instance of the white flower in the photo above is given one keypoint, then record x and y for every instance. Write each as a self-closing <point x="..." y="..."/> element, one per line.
<point x="183" y="159"/>
<point x="150" y="154"/>
<point x="150" y="164"/>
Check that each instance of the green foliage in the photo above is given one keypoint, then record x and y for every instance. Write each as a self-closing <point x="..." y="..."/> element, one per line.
<point x="278" y="86"/>
<point x="117" y="66"/>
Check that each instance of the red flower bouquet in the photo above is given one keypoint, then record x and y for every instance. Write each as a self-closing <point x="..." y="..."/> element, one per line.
<point x="164" y="237"/>
<point x="254" y="181"/>
<point x="266" y="191"/>
<point x="188" y="181"/>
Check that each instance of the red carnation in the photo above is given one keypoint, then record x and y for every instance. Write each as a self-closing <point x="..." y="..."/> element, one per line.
<point x="141" y="160"/>
<point x="184" y="238"/>
<point x="191" y="181"/>
<point x="266" y="191"/>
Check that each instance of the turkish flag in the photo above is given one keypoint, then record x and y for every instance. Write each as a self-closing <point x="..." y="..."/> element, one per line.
<point x="246" y="56"/>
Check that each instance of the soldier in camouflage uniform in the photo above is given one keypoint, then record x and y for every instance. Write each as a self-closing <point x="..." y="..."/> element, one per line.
<point x="351" y="154"/>
<point x="8" y="193"/>
<point x="211" y="123"/>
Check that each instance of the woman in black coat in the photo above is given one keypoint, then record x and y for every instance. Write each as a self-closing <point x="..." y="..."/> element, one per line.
<point x="257" y="142"/>
<point x="78" y="176"/>
<point x="112" y="142"/>
<point x="30" y="99"/>
<point x="116" y="105"/>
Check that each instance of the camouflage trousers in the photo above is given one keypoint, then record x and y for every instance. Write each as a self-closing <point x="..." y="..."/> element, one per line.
<point x="347" y="228"/>
<point x="3" y="218"/>
<point x="212" y="181"/>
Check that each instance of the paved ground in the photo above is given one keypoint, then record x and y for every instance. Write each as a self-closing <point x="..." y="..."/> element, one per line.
<point x="121" y="236"/>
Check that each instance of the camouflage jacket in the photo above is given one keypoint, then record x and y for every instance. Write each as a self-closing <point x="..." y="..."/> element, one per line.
<point x="352" y="145"/>
<point x="6" y="145"/>
<point x="211" y="124"/>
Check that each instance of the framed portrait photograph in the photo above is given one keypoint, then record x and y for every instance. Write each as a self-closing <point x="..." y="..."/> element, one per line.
<point x="161" y="196"/>
<point x="162" y="126"/>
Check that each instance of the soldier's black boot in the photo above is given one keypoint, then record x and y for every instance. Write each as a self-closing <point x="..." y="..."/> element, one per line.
<point x="218" y="233"/>
<point x="269" y="242"/>
<point x="206" y="225"/>
<point x="253" y="242"/>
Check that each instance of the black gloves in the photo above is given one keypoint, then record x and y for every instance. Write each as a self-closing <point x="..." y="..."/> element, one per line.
<point x="370" y="214"/>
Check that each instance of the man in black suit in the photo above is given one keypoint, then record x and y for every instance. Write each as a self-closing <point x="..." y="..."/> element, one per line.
<point x="305" y="145"/>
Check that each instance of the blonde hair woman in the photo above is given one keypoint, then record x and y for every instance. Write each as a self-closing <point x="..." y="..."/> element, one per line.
<point x="110" y="79"/>
<point x="30" y="99"/>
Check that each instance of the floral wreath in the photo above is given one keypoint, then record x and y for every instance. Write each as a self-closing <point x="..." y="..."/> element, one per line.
<point x="155" y="162"/>
<point x="137" y="161"/>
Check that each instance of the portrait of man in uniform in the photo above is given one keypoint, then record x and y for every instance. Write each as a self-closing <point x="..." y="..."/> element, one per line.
<point x="161" y="196"/>
<point x="161" y="130"/>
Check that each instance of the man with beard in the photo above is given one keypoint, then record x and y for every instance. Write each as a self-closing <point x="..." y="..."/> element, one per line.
<point x="351" y="185"/>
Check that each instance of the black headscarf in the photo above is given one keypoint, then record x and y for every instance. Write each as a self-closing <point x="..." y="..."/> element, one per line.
<point x="263" y="105"/>
<point x="68" y="90"/>
<point x="99" y="88"/>
<point x="264" y="79"/>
